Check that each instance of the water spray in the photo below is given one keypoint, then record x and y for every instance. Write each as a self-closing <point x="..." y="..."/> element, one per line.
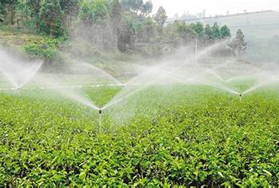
<point x="196" y="51"/>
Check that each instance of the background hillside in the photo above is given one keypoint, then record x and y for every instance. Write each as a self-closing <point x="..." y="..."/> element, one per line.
<point x="261" y="31"/>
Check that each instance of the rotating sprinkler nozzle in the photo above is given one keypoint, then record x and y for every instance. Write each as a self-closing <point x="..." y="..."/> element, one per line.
<point x="100" y="111"/>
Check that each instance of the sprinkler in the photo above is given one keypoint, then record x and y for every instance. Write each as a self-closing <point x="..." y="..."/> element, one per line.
<point x="240" y="96"/>
<point x="100" y="119"/>
<point x="17" y="89"/>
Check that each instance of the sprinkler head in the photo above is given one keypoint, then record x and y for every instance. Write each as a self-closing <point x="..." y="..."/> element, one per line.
<point x="17" y="89"/>
<point x="240" y="95"/>
<point x="122" y="85"/>
<point x="100" y="111"/>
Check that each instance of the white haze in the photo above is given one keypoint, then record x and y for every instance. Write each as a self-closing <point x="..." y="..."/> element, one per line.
<point x="18" y="72"/>
<point x="182" y="68"/>
<point x="214" y="7"/>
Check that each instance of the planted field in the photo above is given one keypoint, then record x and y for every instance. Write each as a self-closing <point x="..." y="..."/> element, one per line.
<point x="114" y="93"/>
<point x="163" y="136"/>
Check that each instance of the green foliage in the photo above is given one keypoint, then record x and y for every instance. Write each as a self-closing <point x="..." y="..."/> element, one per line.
<point x="108" y="25"/>
<point x="211" y="140"/>
<point x="132" y="5"/>
<point x="46" y="49"/>
<point x="34" y="8"/>
<point x="137" y="6"/>
<point x="8" y="9"/>
<point x="216" y="31"/>
<point x="147" y="7"/>
<point x="225" y="32"/>
<point x="208" y="31"/>
<point x="50" y="13"/>
<point x="94" y="11"/>
<point x="206" y="35"/>
<point x="161" y="17"/>
<point x="115" y="12"/>
<point x="182" y="29"/>
<point x="197" y="29"/>
<point x="70" y="7"/>
<point x="238" y="44"/>
<point x="147" y="31"/>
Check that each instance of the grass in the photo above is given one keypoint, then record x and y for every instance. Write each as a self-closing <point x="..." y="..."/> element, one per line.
<point x="17" y="38"/>
<point x="163" y="136"/>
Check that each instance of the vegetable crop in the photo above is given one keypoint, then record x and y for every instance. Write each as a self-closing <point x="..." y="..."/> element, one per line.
<point x="162" y="137"/>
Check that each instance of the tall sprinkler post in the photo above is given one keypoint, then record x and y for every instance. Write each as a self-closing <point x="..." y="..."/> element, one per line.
<point x="100" y="119"/>
<point x="240" y="97"/>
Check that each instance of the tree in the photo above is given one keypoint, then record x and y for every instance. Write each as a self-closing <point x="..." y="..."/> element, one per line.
<point x="127" y="32"/>
<point x="96" y="23"/>
<point x="34" y="6"/>
<point x="147" y="31"/>
<point x="208" y="31"/>
<point x="215" y="31"/>
<point x="93" y="11"/>
<point x="69" y="6"/>
<point x="238" y="45"/>
<point x="50" y="13"/>
<point x="184" y="31"/>
<point x="8" y="7"/>
<point x="115" y="13"/>
<point x="136" y="5"/>
<point x="22" y="13"/>
<point x="132" y="5"/>
<point x="2" y="12"/>
<point x="197" y="29"/>
<point x="225" y="32"/>
<point x="124" y="37"/>
<point x="147" y="8"/>
<point x="161" y="17"/>
<point x="70" y="9"/>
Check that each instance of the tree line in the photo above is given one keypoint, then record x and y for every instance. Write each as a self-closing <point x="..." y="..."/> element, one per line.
<point x="108" y="25"/>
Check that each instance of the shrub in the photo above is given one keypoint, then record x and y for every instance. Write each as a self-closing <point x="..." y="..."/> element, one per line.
<point x="47" y="49"/>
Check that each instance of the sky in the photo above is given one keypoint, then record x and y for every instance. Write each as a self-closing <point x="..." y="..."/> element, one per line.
<point x="214" y="7"/>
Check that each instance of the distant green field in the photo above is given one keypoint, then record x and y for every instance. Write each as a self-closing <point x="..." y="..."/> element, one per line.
<point x="163" y="136"/>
